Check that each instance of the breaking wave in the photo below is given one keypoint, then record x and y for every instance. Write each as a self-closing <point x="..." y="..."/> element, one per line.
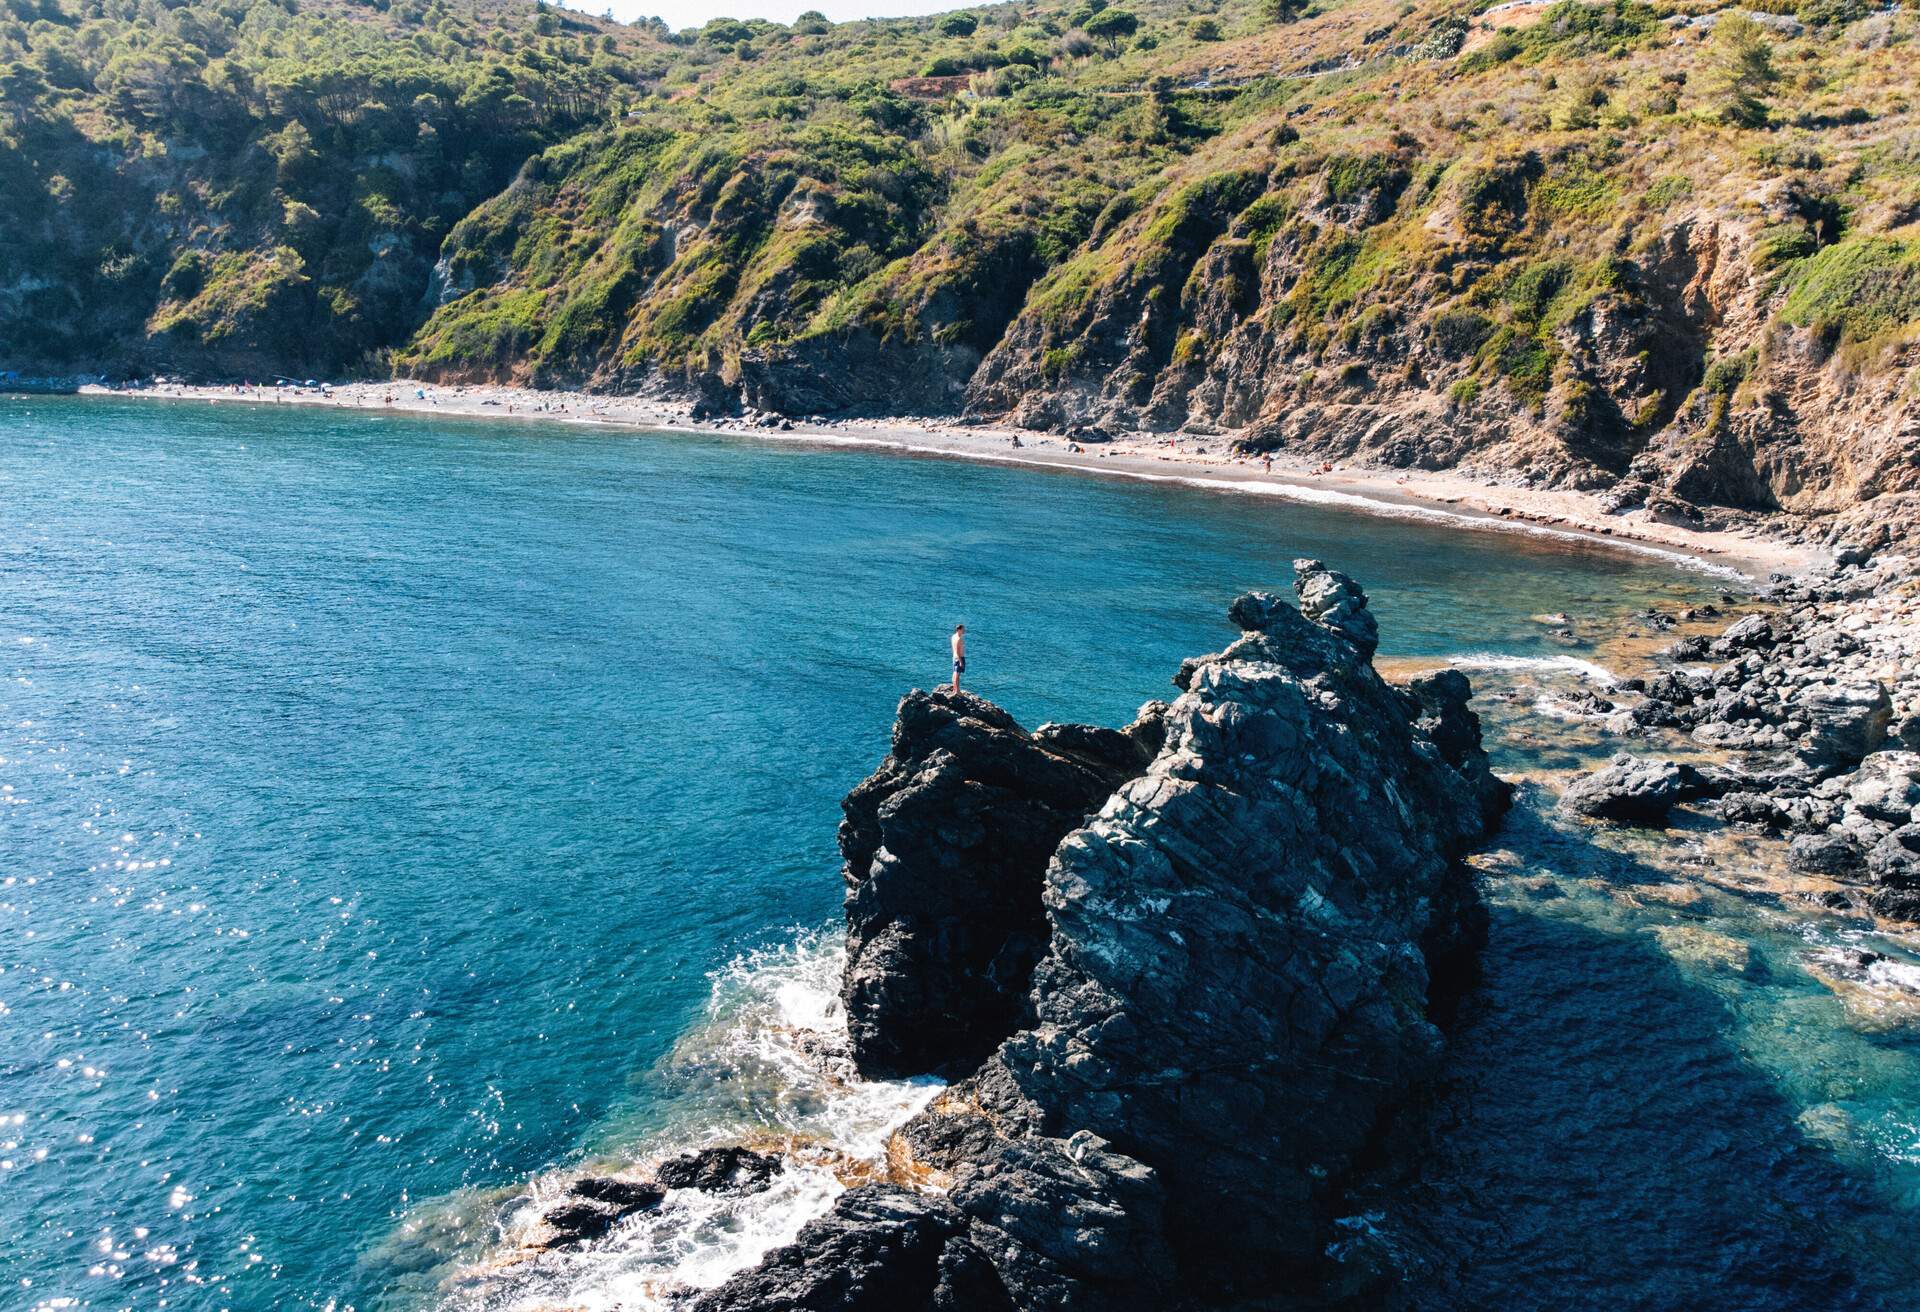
<point x="765" y="1066"/>
<point x="1487" y="660"/>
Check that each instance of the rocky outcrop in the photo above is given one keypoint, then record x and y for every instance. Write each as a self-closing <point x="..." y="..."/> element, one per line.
<point x="1634" y="791"/>
<point x="1818" y="698"/>
<point x="720" y="1170"/>
<point x="1239" y="953"/>
<point x="593" y="1204"/>
<point x="945" y="846"/>
<point x="881" y="1249"/>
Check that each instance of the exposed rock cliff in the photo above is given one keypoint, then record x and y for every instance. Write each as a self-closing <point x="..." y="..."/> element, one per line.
<point x="945" y="846"/>
<point x="1239" y="955"/>
<point x="1552" y="253"/>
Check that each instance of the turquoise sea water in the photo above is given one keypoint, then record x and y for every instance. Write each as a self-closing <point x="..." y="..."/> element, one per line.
<point x="396" y="809"/>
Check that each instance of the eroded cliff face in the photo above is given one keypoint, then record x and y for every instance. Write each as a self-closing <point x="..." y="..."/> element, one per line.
<point x="1537" y="243"/>
<point x="1240" y="954"/>
<point x="1674" y="373"/>
<point x="1713" y="355"/>
<point x="945" y="847"/>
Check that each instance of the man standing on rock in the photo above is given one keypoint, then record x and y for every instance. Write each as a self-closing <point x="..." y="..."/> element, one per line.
<point x="959" y="654"/>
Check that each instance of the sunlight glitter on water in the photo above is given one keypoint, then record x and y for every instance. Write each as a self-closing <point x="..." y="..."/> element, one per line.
<point x="565" y="724"/>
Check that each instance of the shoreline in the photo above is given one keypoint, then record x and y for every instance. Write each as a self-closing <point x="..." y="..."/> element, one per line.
<point x="1448" y="496"/>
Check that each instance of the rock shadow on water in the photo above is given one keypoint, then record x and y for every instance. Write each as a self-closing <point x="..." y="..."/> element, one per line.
<point x="1598" y="1142"/>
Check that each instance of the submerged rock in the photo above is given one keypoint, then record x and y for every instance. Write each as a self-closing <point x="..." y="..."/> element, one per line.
<point x="1235" y="967"/>
<point x="574" y="1221"/>
<point x="592" y="1206"/>
<point x="945" y="847"/>
<point x="1634" y="790"/>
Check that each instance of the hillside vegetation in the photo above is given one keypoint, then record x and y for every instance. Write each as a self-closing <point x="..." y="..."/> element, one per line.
<point x="1671" y="249"/>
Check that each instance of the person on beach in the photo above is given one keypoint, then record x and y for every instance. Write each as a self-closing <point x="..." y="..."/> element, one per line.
<point x="959" y="654"/>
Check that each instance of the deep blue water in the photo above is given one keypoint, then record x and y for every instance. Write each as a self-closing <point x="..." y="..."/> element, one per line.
<point x="383" y="793"/>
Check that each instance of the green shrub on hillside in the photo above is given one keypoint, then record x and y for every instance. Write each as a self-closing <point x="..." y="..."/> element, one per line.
<point x="540" y="194"/>
<point x="1856" y="290"/>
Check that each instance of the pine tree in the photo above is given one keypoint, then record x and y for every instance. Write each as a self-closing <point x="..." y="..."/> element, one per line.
<point x="1740" y="71"/>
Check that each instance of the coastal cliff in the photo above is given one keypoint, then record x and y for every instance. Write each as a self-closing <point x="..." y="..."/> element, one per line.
<point x="944" y="845"/>
<point x="1667" y="252"/>
<point x="1231" y="996"/>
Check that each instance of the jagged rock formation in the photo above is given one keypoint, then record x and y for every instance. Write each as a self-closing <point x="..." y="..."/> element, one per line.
<point x="945" y="845"/>
<point x="1239" y="954"/>
<point x="719" y="1170"/>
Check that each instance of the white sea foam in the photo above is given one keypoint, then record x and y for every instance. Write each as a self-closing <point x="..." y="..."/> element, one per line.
<point x="1554" y="709"/>
<point x="765" y="1066"/>
<point x="1903" y="975"/>
<point x="1487" y="660"/>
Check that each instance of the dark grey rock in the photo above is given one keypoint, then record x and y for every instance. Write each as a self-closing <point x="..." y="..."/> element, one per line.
<point x="1844" y="722"/>
<point x="1241" y="951"/>
<point x="1336" y="601"/>
<point x="591" y="1207"/>
<point x="617" y="1192"/>
<point x="720" y="1170"/>
<point x="1251" y="612"/>
<point x="1634" y="790"/>
<point x="1895" y="860"/>
<point x="1072" y="1224"/>
<point x="1679" y="687"/>
<point x="1444" y="716"/>
<point x="1824" y="854"/>
<point x="575" y="1221"/>
<point x="1755" y="632"/>
<point x="880" y="1249"/>
<point x="1752" y="808"/>
<point x="946" y="846"/>
<point x="1589" y="703"/>
<point x="1192" y="1010"/>
<point x="1656" y="715"/>
<point x="1886" y="787"/>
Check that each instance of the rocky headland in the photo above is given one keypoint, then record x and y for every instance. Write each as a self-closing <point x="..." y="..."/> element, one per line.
<point x="943" y="847"/>
<point x="1187" y="971"/>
